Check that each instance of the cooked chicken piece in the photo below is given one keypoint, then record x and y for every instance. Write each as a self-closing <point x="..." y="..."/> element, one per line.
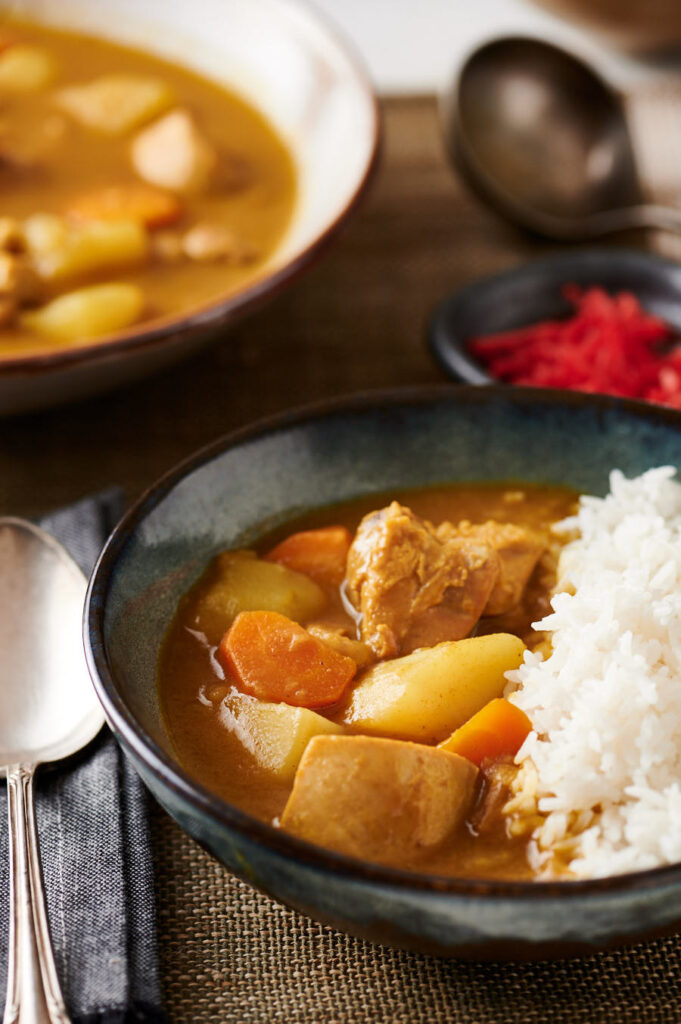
<point x="115" y="104"/>
<point x="519" y="549"/>
<point x="360" y="652"/>
<point x="173" y="153"/>
<point x="378" y="799"/>
<point x="412" y="588"/>
<point x="208" y="242"/>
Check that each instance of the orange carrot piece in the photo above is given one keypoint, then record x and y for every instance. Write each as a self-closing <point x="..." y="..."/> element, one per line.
<point x="275" y="659"/>
<point x="320" y="554"/>
<point x="497" y="730"/>
<point x="151" y="206"/>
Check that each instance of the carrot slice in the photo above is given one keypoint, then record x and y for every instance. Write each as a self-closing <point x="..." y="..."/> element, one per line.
<point x="275" y="659"/>
<point x="151" y="206"/>
<point x="321" y="554"/>
<point x="497" y="730"/>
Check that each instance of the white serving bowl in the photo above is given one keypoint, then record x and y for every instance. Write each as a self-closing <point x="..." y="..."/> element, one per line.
<point x="282" y="58"/>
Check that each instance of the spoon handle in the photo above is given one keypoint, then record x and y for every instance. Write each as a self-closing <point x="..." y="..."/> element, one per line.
<point x="33" y="993"/>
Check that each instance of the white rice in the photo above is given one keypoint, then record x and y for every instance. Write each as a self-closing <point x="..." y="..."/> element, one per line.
<point x="602" y="768"/>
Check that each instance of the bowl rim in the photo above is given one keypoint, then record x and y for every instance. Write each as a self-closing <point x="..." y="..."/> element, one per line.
<point x="173" y="776"/>
<point x="211" y="316"/>
<point x="450" y="348"/>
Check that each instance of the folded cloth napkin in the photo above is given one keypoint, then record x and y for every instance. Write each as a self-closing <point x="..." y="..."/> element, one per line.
<point x="95" y="849"/>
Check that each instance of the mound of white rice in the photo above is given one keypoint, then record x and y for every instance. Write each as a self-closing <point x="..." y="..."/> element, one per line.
<point x="600" y="776"/>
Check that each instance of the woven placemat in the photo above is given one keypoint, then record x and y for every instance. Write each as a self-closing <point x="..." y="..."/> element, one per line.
<point x="230" y="955"/>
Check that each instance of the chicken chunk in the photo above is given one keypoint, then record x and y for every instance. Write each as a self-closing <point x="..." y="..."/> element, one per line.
<point x="380" y="799"/>
<point x="519" y="549"/>
<point x="411" y="587"/>
<point x="174" y="154"/>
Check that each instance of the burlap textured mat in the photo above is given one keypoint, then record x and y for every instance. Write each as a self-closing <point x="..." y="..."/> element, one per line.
<point x="232" y="956"/>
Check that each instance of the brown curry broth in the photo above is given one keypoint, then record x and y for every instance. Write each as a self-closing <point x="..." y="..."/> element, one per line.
<point x="191" y="691"/>
<point x="81" y="159"/>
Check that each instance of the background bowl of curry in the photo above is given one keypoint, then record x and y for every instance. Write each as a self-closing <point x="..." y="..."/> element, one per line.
<point x="308" y="100"/>
<point x="247" y="484"/>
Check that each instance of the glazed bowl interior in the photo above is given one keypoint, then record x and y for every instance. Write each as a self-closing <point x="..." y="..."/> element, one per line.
<point x="250" y="482"/>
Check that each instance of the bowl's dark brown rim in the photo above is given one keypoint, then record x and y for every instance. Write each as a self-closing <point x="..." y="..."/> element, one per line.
<point x="218" y="313"/>
<point x="173" y="776"/>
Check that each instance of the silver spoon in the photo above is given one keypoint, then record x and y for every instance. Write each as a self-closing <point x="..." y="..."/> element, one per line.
<point x="48" y="710"/>
<point x="545" y="140"/>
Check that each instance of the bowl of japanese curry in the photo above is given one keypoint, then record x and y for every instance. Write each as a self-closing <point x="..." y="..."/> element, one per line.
<point x="163" y="167"/>
<point x="410" y="663"/>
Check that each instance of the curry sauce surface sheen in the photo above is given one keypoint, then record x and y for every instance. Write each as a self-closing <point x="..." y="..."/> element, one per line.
<point x="192" y="685"/>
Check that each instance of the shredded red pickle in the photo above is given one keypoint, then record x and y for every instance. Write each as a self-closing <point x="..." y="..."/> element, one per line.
<point x="610" y="345"/>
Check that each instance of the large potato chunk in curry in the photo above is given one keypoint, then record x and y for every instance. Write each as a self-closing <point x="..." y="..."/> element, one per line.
<point x="240" y="582"/>
<point x="429" y="693"/>
<point x="378" y="799"/>
<point x="276" y="735"/>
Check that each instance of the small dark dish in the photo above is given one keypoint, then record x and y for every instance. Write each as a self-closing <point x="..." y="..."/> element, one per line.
<point x="250" y="481"/>
<point x="532" y="292"/>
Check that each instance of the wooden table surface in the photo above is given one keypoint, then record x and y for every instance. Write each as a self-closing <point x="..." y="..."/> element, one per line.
<point x="356" y="320"/>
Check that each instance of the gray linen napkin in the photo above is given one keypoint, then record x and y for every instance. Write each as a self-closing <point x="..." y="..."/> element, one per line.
<point x="95" y="847"/>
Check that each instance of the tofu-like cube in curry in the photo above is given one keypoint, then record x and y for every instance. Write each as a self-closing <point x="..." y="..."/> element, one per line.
<point x="379" y="799"/>
<point x="173" y="153"/>
<point x="241" y="582"/>
<point x="425" y="695"/>
<point x="117" y="103"/>
<point x="276" y="735"/>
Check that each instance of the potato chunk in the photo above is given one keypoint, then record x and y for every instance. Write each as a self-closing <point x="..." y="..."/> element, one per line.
<point x="426" y="695"/>
<point x="88" y="312"/>
<point x="240" y="582"/>
<point x="62" y="252"/>
<point x="378" y="799"/>
<point x="275" y="734"/>
<point x="173" y="153"/>
<point x="115" y="104"/>
<point x="25" y="68"/>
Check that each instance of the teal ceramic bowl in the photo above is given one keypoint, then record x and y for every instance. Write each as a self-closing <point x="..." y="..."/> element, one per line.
<point x="253" y="480"/>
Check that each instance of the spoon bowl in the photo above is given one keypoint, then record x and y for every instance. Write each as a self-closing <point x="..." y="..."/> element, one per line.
<point x="48" y="710"/>
<point x="545" y="140"/>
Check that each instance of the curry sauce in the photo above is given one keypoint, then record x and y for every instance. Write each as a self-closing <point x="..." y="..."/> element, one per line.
<point x="52" y="162"/>
<point x="212" y="745"/>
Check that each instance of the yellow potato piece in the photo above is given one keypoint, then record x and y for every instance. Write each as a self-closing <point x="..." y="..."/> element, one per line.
<point x="115" y="104"/>
<point x="426" y="695"/>
<point x="240" y="582"/>
<point x="25" y="68"/>
<point x="61" y="252"/>
<point x="275" y="734"/>
<point x="379" y="799"/>
<point x="88" y="312"/>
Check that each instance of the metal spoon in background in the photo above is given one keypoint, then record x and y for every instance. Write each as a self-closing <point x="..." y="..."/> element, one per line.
<point x="545" y="140"/>
<point x="48" y="710"/>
